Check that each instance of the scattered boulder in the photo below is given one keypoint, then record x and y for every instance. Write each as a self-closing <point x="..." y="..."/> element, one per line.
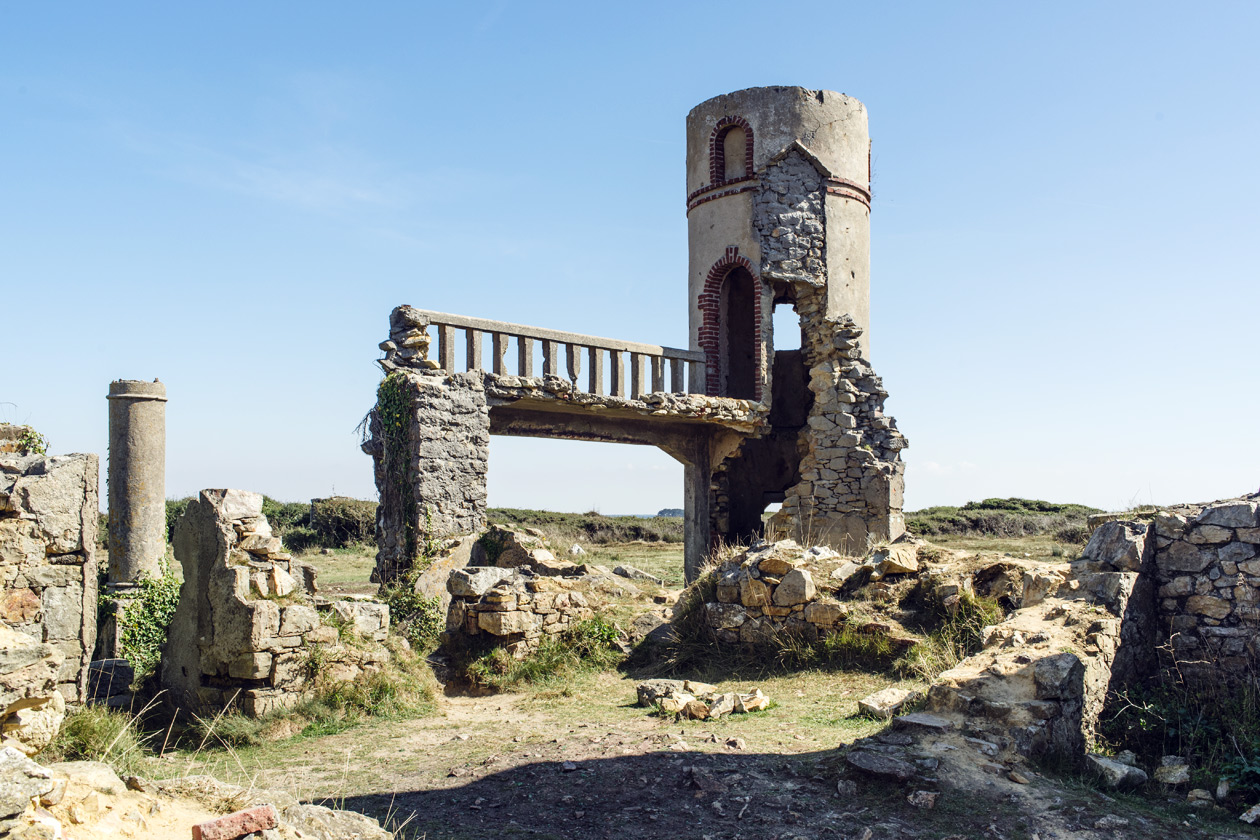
<point x="900" y="558"/>
<point x="1114" y="774"/>
<point x="637" y="574"/>
<point x="576" y="550"/>
<point x="1172" y="770"/>
<point x="881" y="765"/>
<point x="887" y="703"/>
<point x="21" y="780"/>
<point x="698" y="701"/>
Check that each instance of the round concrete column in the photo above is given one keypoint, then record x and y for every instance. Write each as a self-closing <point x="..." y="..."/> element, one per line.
<point x="137" y="479"/>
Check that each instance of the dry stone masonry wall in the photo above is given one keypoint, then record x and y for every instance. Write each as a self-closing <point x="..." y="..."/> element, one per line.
<point x="511" y="607"/>
<point x="851" y="474"/>
<point x="248" y="623"/>
<point x="48" y="567"/>
<point x="1207" y="563"/>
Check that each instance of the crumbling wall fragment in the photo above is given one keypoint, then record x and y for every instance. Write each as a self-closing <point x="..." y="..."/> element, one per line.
<point x="247" y="620"/>
<point x="48" y="567"/>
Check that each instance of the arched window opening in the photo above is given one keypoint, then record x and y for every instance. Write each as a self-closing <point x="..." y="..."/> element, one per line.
<point x="787" y="327"/>
<point x="734" y="158"/>
<point x="738" y="348"/>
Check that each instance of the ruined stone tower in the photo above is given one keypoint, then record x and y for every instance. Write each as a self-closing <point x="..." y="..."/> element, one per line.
<point x="778" y="207"/>
<point x="778" y="213"/>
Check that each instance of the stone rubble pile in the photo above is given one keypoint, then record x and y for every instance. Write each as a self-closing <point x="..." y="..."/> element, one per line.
<point x="770" y="588"/>
<point x="512" y="606"/>
<point x="698" y="701"/>
<point x="248" y="622"/>
<point x="88" y="801"/>
<point x="48" y="567"/>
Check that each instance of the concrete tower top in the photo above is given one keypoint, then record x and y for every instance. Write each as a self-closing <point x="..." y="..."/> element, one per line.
<point x="136" y="389"/>
<point x="832" y="127"/>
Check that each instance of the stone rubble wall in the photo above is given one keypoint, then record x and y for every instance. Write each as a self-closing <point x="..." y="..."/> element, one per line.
<point x="851" y="474"/>
<point x="49" y="514"/>
<point x="248" y="621"/>
<point x="431" y="465"/>
<point x="511" y="607"/>
<point x="1207" y="567"/>
<point x="31" y="707"/>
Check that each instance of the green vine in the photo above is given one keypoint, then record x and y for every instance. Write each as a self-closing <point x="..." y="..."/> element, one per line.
<point x="31" y="442"/>
<point x="394" y="411"/>
<point x="144" y="614"/>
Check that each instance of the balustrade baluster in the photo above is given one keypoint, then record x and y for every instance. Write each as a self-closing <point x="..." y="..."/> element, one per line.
<point x="596" y="378"/>
<point x="678" y="376"/>
<point x="446" y="348"/>
<point x="636" y="375"/>
<point x="499" y="347"/>
<point x="551" y="358"/>
<point x="525" y="356"/>
<point x="617" y="372"/>
<point x="473" y="337"/>
<point x="573" y="360"/>
<point x="658" y="374"/>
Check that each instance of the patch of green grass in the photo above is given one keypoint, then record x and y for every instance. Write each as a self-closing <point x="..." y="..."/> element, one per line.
<point x="953" y="636"/>
<point x="587" y="645"/>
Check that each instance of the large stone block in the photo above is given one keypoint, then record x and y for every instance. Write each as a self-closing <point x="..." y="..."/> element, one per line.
<point x="1241" y="514"/>
<point x="1118" y="544"/>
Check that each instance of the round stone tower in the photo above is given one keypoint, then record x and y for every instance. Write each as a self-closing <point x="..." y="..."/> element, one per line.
<point x="137" y="480"/>
<point x="778" y="210"/>
<point x="778" y="213"/>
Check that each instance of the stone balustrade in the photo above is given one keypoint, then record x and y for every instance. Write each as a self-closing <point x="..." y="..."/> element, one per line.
<point x="617" y="368"/>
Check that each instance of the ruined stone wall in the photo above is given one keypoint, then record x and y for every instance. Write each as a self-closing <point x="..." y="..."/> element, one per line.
<point x="429" y="438"/>
<point x="1207" y="566"/>
<point x="48" y="567"/>
<point x="247" y="621"/>
<point x="511" y="608"/>
<point x="852" y="477"/>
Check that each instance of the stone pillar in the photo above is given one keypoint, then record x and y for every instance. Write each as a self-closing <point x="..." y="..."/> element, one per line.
<point x="137" y="479"/>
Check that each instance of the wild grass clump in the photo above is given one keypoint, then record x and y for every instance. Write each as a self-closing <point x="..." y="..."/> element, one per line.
<point x="403" y="688"/>
<point x="98" y="733"/>
<point x="586" y="646"/>
<point x="954" y="636"/>
<point x="1003" y="518"/>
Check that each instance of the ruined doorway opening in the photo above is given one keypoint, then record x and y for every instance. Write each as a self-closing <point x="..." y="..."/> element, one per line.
<point x="738" y="344"/>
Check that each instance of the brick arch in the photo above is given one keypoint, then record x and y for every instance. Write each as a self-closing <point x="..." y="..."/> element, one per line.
<point x="717" y="153"/>
<point x="710" y="304"/>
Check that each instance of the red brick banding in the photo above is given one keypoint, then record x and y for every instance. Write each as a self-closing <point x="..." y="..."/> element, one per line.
<point x="710" y="303"/>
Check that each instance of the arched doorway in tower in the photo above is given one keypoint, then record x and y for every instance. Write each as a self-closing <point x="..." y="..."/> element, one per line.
<point x="738" y="343"/>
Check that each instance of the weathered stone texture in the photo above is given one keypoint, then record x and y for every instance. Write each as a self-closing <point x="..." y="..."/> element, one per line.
<point x="512" y="606"/>
<point x="851" y="474"/>
<point x="48" y="566"/>
<point x="1208" y="577"/>
<point x="247" y="619"/>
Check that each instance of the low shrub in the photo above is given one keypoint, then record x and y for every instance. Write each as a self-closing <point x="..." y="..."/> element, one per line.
<point x="340" y="521"/>
<point x="592" y="527"/>
<point x="1002" y="518"/>
<point x="416" y="618"/>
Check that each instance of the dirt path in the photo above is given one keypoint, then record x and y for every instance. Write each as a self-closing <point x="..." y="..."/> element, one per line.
<point x="582" y="762"/>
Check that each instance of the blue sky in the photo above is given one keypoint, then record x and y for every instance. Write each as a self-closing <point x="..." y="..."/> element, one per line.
<point x="232" y="197"/>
